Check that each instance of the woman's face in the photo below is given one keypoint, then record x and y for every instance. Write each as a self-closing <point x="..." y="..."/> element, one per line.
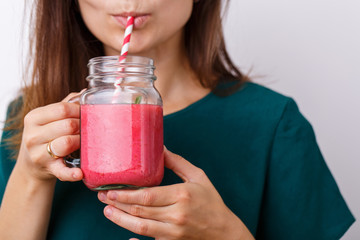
<point x="157" y="22"/>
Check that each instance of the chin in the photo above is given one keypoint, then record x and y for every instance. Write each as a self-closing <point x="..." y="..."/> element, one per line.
<point x="136" y="51"/>
<point x="137" y="48"/>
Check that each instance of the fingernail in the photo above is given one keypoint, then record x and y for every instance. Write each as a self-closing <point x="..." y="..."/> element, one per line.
<point x="108" y="212"/>
<point x="112" y="195"/>
<point x="74" y="175"/>
<point x="102" y="196"/>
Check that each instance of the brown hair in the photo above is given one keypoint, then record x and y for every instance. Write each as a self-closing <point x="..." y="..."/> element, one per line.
<point x="209" y="59"/>
<point x="61" y="45"/>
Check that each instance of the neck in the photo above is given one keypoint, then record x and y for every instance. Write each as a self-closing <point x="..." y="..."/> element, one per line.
<point x="174" y="74"/>
<point x="176" y="82"/>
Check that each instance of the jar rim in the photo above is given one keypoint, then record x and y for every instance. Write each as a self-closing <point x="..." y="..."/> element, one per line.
<point x="126" y="67"/>
<point x="130" y="59"/>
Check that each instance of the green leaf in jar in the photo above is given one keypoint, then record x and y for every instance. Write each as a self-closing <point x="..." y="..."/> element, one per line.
<point x="138" y="100"/>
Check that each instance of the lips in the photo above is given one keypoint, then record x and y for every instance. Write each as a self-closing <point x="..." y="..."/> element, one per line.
<point x="140" y="19"/>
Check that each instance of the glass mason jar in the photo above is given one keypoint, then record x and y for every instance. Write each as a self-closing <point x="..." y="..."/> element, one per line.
<point x="121" y="125"/>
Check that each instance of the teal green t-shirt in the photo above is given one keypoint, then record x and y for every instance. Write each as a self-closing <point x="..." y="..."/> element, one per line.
<point x="256" y="148"/>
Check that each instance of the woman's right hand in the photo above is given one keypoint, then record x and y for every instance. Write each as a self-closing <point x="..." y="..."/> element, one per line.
<point x="58" y="124"/>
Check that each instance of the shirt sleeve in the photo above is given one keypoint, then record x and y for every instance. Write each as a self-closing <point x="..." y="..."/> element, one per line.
<point x="301" y="199"/>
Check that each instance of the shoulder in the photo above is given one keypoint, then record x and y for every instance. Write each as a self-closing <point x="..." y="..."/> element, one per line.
<point x="258" y="104"/>
<point x="13" y="110"/>
<point x="10" y="127"/>
<point x="14" y="107"/>
<point x="255" y="96"/>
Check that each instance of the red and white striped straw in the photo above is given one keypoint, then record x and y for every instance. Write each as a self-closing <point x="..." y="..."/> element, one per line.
<point x="127" y="36"/>
<point x="124" y="52"/>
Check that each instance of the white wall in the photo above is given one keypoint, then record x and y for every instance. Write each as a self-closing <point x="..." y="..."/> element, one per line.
<point x="10" y="51"/>
<point x="306" y="49"/>
<point x="309" y="50"/>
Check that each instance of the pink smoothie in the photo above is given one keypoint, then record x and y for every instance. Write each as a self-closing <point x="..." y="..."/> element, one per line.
<point x="122" y="144"/>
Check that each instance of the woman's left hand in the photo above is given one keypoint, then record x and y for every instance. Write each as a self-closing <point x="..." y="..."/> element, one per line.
<point x="189" y="210"/>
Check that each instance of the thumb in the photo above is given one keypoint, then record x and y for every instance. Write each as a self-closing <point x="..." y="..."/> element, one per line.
<point x="183" y="168"/>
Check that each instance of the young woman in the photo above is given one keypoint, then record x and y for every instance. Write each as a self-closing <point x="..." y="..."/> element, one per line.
<point x="252" y="169"/>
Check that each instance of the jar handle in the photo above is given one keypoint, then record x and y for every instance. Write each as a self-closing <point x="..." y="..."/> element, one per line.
<point x="73" y="159"/>
<point x="76" y="98"/>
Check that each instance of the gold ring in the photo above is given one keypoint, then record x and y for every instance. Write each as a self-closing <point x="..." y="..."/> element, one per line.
<point x="48" y="148"/>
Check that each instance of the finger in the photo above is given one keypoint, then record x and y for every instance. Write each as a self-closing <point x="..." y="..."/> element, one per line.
<point x="65" y="145"/>
<point x="155" y="196"/>
<point x="53" y="112"/>
<point x="136" y="225"/>
<point x="63" y="173"/>
<point x="183" y="168"/>
<point x="155" y="213"/>
<point x="53" y="130"/>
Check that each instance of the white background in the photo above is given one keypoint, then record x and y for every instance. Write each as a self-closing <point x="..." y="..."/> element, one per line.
<point x="306" y="49"/>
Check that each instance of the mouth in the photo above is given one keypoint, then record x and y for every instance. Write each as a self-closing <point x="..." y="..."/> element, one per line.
<point x="140" y="19"/>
